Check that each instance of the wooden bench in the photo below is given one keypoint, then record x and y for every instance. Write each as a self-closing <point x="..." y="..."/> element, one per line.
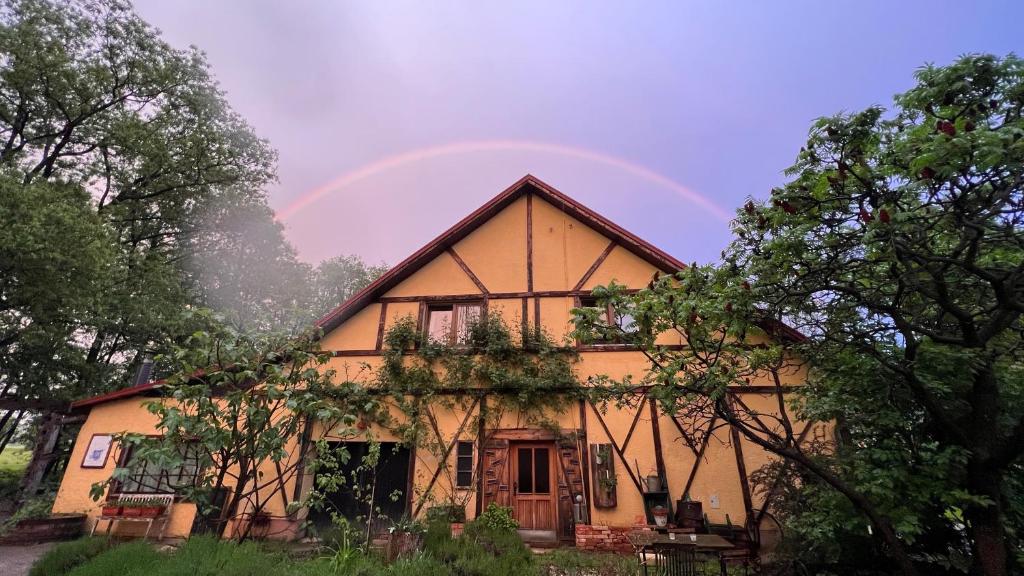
<point x="167" y="500"/>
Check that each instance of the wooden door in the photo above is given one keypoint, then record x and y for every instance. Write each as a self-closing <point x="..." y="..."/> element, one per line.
<point x="533" y="485"/>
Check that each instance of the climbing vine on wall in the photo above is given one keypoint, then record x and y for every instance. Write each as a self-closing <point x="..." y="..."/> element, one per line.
<point x="495" y="371"/>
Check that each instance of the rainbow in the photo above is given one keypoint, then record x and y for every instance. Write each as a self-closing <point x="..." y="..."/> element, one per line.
<point x="423" y="154"/>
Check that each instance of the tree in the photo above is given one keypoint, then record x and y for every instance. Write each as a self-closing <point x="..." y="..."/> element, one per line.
<point x="104" y="123"/>
<point x="242" y="407"/>
<point x="338" y="279"/>
<point x="91" y="98"/>
<point x="897" y="249"/>
<point x="241" y="265"/>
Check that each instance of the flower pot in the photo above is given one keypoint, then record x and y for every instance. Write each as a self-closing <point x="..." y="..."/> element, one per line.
<point x="660" y="514"/>
<point x="131" y="512"/>
<point x="111" y="510"/>
<point x="150" y="511"/>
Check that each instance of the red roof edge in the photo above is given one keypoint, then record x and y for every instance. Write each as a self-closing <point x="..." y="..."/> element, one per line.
<point x="117" y="394"/>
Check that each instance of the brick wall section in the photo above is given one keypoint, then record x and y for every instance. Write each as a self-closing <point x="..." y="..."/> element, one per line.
<point x="598" y="538"/>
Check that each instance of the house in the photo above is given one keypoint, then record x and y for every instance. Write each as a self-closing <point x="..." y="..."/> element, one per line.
<point x="528" y="256"/>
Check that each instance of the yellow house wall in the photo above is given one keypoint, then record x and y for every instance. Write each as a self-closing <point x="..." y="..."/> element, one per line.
<point x="495" y="252"/>
<point x="127" y="415"/>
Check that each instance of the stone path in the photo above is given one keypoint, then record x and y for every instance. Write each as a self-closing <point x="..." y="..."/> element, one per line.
<point x="17" y="560"/>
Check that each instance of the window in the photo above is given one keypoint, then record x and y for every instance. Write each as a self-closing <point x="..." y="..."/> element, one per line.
<point x="452" y="323"/>
<point x="148" y="478"/>
<point x="623" y="316"/>
<point x="533" y="471"/>
<point x="464" y="464"/>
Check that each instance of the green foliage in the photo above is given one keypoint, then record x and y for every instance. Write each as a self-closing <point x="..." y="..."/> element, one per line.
<point x="35" y="508"/>
<point x="238" y="401"/>
<point x="421" y="565"/>
<point x="13" y="461"/>
<point x="896" y="250"/>
<point x="108" y="156"/>
<point x="572" y="562"/>
<point x="136" y="558"/>
<point x="208" y="556"/>
<point x="528" y="375"/>
<point x="65" y="556"/>
<point x="447" y="513"/>
<point x="486" y="553"/>
<point x="496" y="518"/>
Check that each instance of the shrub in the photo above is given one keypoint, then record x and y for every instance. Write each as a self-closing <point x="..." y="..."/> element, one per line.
<point x="447" y="513"/>
<point x="208" y="556"/>
<point x="422" y="565"/>
<point x="497" y="518"/>
<point x="132" y="559"/>
<point x="38" y="507"/>
<point x="438" y="541"/>
<point x="571" y="562"/>
<point x="63" y="557"/>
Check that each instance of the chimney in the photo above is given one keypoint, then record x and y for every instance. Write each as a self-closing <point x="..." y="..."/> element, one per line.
<point x="144" y="372"/>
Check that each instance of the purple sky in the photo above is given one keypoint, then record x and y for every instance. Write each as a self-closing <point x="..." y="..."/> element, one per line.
<point x="627" y="107"/>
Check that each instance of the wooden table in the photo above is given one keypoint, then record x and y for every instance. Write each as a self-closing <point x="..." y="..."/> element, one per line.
<point x="701" y="543"/>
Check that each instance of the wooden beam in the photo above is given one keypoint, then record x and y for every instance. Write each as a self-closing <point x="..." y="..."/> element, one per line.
<point x="636" y="418"/>
<point x="597" y="264"/>
<point x="465" y="268"/>
<point x="659" y="458"/>
<point x="778" y="479"/>
<point x="618" y="450"/>
<point x="380" y="325"/>
<point x="529" y="242"/>
<point x="536" y="318"/>
<point x="481" y="429"/>
<point x="741" y="467"/>
<point x="700" y="456"/>
<point x="443" y="460"/>
<point x="526" y="321"/>
<point x="585" y="458"/>
<point x="684" y="435"/>
<point x="492" y="295"/>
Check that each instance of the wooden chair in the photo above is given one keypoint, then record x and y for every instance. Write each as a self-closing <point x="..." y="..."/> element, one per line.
<point x="660" y="559"/>
<point x="166" y="499"/>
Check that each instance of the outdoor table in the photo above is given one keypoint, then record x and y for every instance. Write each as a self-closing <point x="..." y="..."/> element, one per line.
<point x="701" y="543"/>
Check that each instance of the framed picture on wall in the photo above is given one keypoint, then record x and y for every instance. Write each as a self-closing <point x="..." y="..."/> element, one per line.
<point x="97" y="452"/>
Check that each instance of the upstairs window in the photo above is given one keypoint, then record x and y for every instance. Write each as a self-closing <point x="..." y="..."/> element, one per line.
<point x="451" y="323"/>
<point x="623" y="317"/>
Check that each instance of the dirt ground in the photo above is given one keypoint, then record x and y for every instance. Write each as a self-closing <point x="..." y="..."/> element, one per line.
<point x="16" y="560"/>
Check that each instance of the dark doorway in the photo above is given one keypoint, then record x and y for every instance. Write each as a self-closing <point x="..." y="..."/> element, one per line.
<point x="388" y="482"/>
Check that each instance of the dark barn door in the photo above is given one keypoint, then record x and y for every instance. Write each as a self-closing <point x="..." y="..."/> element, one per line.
<point x="388" y="481"/>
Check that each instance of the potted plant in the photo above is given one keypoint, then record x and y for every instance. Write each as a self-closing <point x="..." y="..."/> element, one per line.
<point x="111" y="508"/>
<point x="152" y="508"/>
<point x="660" y="514"/>
<point x="404" y="538"/>
<point x="453" y="514"/>
<point x="131" y="508"/>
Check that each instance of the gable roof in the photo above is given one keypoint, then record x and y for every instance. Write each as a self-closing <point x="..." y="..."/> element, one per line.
<point x="528" y="184"/>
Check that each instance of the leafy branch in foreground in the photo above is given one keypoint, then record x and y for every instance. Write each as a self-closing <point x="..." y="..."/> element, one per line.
<point x="897" y="249"/>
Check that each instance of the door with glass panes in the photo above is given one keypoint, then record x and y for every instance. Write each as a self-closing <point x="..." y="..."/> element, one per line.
<point x="533" y="485"/>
